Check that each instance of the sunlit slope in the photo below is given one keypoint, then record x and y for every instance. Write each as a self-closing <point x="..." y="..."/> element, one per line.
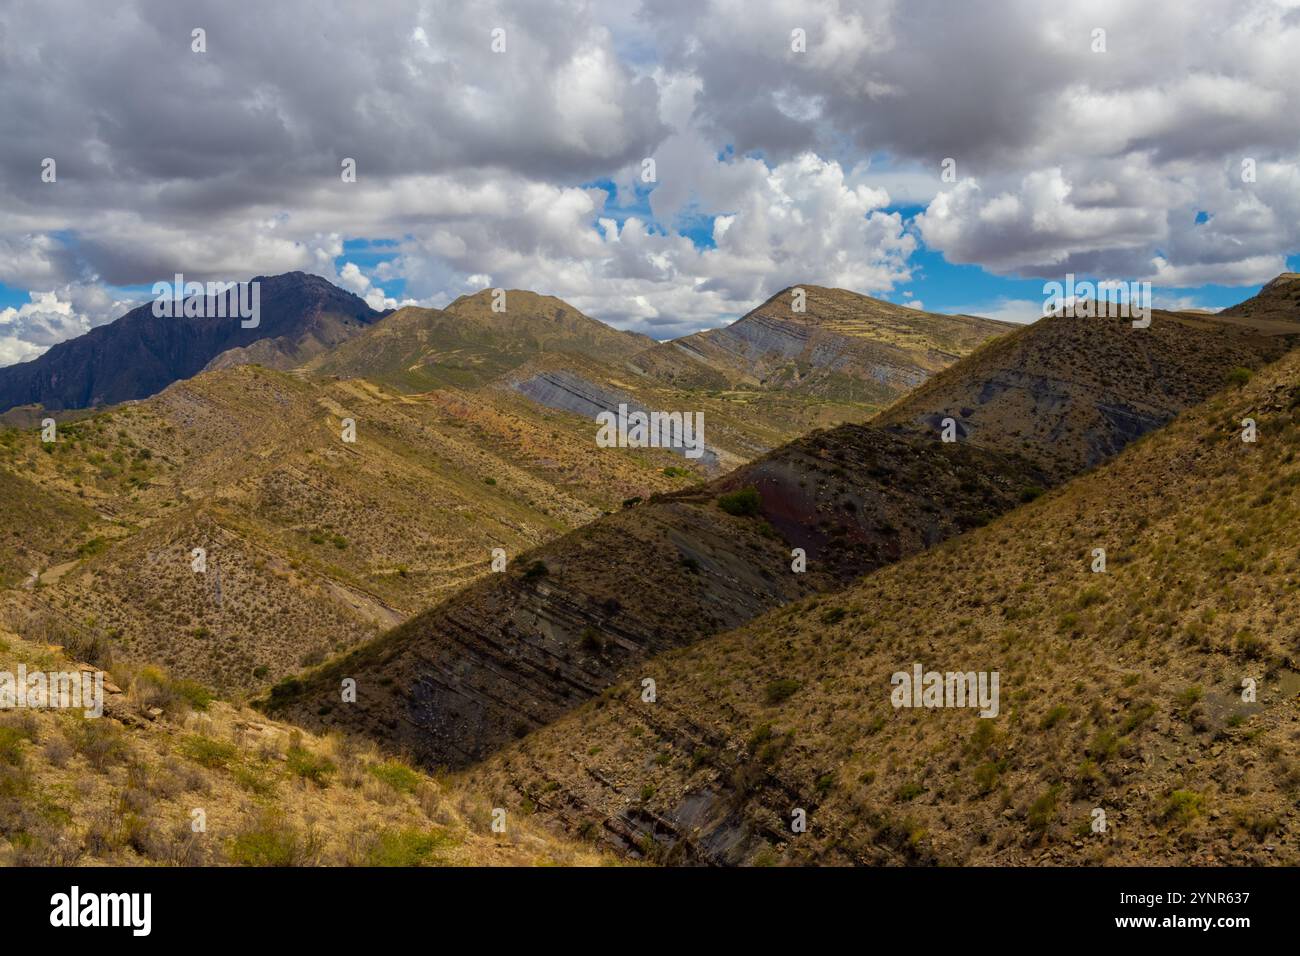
<point x="311" y="542"/>
<point x="468" y="343"/>
<point x="167" y="777"/>
<point x="1121" y="692"/>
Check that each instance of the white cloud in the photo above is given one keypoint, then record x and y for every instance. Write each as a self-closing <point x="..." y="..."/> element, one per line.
<point x="476" y="166"/>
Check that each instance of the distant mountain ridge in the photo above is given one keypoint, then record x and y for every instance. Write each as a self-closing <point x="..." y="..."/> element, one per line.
<point x="140" y="354"/>
<point x="1071" y="392"/>
<point x="841" y="345"/>
<point x="469" y="343"/>
<point x="516" y="650"/>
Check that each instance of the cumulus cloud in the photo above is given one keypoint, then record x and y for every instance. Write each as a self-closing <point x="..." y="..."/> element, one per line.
<point x="773" y="166"/>
<point x="51" y="317"/>
<point x="1074" y="150"/>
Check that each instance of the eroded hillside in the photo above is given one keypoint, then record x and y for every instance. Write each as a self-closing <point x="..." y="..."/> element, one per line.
<point x="1070" y="392"/>
<point x="310" y="542"/>
<point x="1126" y="692"/>
<point x="518" y="650"/>
<point x="832" y="344"/>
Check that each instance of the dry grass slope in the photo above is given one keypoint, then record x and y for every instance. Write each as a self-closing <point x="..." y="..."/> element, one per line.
<point x="122" y="789"/>
<point x="1120" y="691"/>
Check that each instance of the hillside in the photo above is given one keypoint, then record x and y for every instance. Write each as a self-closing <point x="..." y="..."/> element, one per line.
<point x="122" y="789"/>
<point x="844" y="346"/>
<point x="312" y="543"/>
<point x="467" y="344"/>
<point x="740" y="424"/>
<point x="1070" y="392"/>
<point x="1120" y="691"/>
<point x="517" y="649"/>
<point x="769" y="377"/>
<point x="140" y="354"/>
<point x="513" y="653"/>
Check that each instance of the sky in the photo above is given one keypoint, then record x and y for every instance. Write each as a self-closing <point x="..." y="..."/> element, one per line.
<point x="664" y="166"/>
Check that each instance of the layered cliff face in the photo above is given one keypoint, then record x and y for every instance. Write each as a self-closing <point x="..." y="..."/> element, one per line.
<point x="518" y="649"/>
<point x="1159" y="690"/>
<point x="1071" y="392"/>
<point x="140" y="354"/>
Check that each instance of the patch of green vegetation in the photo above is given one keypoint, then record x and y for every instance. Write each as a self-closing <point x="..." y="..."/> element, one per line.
<point x="408" y="847"/>
<point x="92" y="547"/>
<point x="781" y="690"/>
<point x="310" y="766"/>
<point x="909" y="791"/>
<point x="1182" y="808"/>
<point x="270" y="841"/>
<point x="207" y="752"/>
<point x="11" y="741"/>
<point x="987" y="774"/>
<point x="1104" y="745"/>
<point x="397" y="775"/>
<point x="746" y="502"/>
<point x="1136" y="717"/>
<point x="1054" y="717"/>
<point x="592" y="640"/>
<point x="1042" y="810"/>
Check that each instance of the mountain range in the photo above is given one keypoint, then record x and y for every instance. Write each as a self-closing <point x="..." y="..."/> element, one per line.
<point x="677" y="654"/>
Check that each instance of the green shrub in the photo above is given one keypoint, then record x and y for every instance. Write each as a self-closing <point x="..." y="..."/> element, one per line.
<point x="781" y="690"/>
<point x="271" y="841"/>
<point x="909" y="791"/>
<point x="1239" y="376"/>
<point x="593" y="640"/>
<point x="409" y="847"/>
<point x="310" y="766"/>
<point x="1042" y="810"/>
<point x="1182" y="807"/>
<point x="1054" y="717"/>
<point x="11" y="741"/>
<point x="100" y="742"/>
<point x="397" y="775"/>
<point x="1030" y="493"/>
<point x="745" y="502"/>
<point x="213" y="754"/>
